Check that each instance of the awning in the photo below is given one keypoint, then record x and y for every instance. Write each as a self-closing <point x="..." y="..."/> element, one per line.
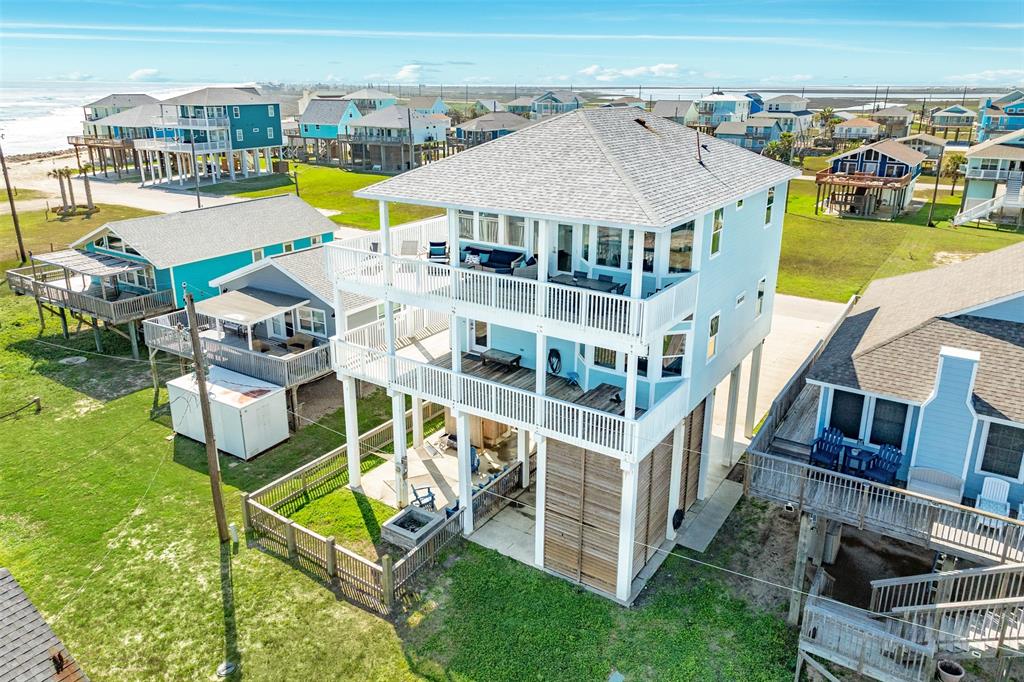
<point x="248" y="306"/>
<point x="89" y="263"/>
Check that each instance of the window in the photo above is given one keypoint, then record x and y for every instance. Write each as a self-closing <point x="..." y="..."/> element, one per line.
<point x="113" y="243"/>
<point x="257" y="254"/>
<point x="270" y="133"/>
<point x="1004" y="449"/>
<point x="716" y="231"/>
<point x="739" y="204"/>
<point x="741" y="299"/>
<point x="313" y="321"/>
<point x="277" y="326"/>
<point x="256" y="130"/>
<point x="609" y="246"/>
<point x="239" y="134"/>
<point x="489" y="227"/>
<point x="288" y="247"/>
<point x="759" y="303"/>
<point x="648" y="264"/>
<point x="768" y="206"/>
<point x="888" y="423"/>
<point x="846" y="413"/>
<point x="673" y="348"/>
<point x="713" y="336"/>
<point x="235" y="112"/>
<point x="316" y="240"/>
<point x="270" y="110"/>
<point x="603" y="357"/>
<point x="465" y="224"/>
<point x="680" y="248"/>
<point x="515" y="228"/>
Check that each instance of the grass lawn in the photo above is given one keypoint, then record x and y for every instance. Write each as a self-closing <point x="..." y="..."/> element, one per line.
<point x="43" y="232"/>
<point x="23" y="194"/>
<point x="352" y="518"/>
<point x="832" y="258"/>
<point x="331" y="188"/>
<point x="813" y="164"/>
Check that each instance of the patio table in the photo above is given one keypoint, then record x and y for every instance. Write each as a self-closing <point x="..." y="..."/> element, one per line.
<point x="855" y="459"/>
<point x="585" y="283"/>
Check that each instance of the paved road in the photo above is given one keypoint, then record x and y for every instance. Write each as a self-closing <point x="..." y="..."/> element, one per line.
<point x="32" y="175"/>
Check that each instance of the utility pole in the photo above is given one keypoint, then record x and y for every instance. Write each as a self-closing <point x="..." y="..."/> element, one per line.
<point x="935" y="190"/>
<point x="213" y="463"/>
<point x="14" y="211"/>
<point x="412" y="142"/>
<point x="195" y="168"/>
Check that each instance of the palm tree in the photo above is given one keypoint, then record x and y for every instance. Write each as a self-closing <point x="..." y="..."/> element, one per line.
<point x="951" y="166"/>
<point x="774" y="150"/>
<point x="88" y="188"/>
<point x="71" y="190"/>
<point x="55" y="173"/>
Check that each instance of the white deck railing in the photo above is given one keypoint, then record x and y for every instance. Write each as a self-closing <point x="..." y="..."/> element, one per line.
<point x="979" y="211"/>
<point x="492" y="297"/>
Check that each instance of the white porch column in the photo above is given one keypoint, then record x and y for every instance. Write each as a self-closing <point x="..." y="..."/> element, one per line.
<point x="523" y="455"/>
<point x="729" y="439"/>
<point x="543" y="262"/>
<point x="417" y="422"/>
<point x="231" y="164"/>
<point x="399" y="435"/>
<point x="465" y="472"/>
<point x="245" y="163"/>
<point x="705" y="448"/>
<point x="636" y="273"/>
<point x="542" y="375"/>
<point x="752" y="384"/>
<point x="384" y="221"/>
<point x="631" y="372"/>
<point x="538" y="529"/>
<point x="270" y="164"/>
<point x="627" y="530"/>
<point x="678" y="438"/>
<point x="182" y="169"/>
<point x="142" y="171"/>
<point x="348" y="387"/>
<point x="167" y="166"/>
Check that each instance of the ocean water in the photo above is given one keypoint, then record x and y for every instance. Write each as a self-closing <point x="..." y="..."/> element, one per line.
<point x="38" y="116"/>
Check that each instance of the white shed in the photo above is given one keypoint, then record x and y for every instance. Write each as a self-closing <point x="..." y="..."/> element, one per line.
<point x="249" y="415"/>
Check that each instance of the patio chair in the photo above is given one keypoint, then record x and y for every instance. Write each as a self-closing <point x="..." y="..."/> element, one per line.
<point x="620" y="290"/>
<point x="423" y="497"/>
<point x="994" y="500"/>
<point x="409" y="247"/>
<point x="438" y="252"/>
<point x="883" y="467"/>
<point x="827" y="449"/>
<point x="605" y="278"/>
<point x="574" y="379"/>
<point x="579" y="274"/>
<point x="451" y="509"/>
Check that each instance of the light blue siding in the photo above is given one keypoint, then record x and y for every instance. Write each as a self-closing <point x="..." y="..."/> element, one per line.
<point x="947" y="419"/>
<point x="1011" y="310"/>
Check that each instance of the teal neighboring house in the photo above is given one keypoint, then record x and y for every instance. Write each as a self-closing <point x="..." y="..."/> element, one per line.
<point x="372" y="99"/>
<point x="428" y="104"/>
<point x="753" y="134"/>
<point x="194" y="247"/>
<point x="325" y="119"/>
<point x="1001" y="116"/>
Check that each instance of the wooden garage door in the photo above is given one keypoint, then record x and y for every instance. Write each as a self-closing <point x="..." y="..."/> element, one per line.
<point x="692" y="448"/>
<point x="661" y="479"/>
<point x="581" y="515"/>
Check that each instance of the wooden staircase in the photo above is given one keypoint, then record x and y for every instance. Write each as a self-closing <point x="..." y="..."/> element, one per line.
<point x="915" y="621"/>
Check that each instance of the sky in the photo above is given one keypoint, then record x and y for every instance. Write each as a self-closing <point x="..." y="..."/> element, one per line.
<point x="787" y="43"/>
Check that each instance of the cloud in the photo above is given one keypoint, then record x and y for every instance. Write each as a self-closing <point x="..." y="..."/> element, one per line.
<point x="75" y="76"/>
<point x="1009" y="76"/>
<point x="409" y="72"/>
<point x="795" y="78"/>
<point x="145" y="75"/>
<point x="604" y="74"/>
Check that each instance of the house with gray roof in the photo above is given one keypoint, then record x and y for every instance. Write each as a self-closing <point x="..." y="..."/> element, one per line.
<point x="428" y="104"/>
<point x="29" y="649"/>
<point x="678" y="110"/>
<point x="322" y="122"/>
<point x="395" y="139"/>
<point x="488" y="127"/>
<point x="371" y="99"/>
<point x="894" y="121"/>
<point x="932" y="363"/>
<point x="557" y="102"/>
<point x="753" y="134"/>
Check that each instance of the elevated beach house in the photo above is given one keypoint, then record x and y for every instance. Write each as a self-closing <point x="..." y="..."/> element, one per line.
<point x="857" y="129"/>
<point x="677" y="110"/>
<point x="876" y="179"/>
<point x="954" y="116"/>
<point x="487" y="127"/>
<point x="107" y="132"/>
<point x="1001" y="115"/>
<point x="428" y="104"/>
<point x="753" y="134"/>
<point x="931" y="146"/>
<point x="323" y="121"/>
<point x="395" y="139"/>
<point x="719" y="108"/>
<point x="909" y="425"/>
<point x="556" y="102"/>
<point x="371" y="99"/>
<point x="132" y="269"/>
<point x="894" y="121"/>
<point x="597" y="275"/>
<point x="992" y="184"/>
<point x="487" y="106"/>
<point x="790" y="111"/>
<point x="212" y="133"/>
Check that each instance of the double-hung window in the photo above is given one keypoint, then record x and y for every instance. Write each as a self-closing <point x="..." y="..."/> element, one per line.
<point x="257" y="254"/>
<point x="236" y="112"/>
<point x="270" y="110"/>
<point x="515" y="231"/>
<point x="768" y="206"/>
<point x="680" y="248"/>
<point x="716" y="230"/>
<point x="673" y="349"/>
<point x="1004" y="450"/>
<point x="313" y="321"/>
<point x="888" y="423"/>
<point x="713" y="336"/>
<point x="239" y="134"/>
<point x="489" y="227"/>
<point x="270" y="132"/>
<point x="759" y="302"/>
<point x="847" y="409"/>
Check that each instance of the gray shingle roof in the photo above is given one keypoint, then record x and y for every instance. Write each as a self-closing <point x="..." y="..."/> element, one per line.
<point x="785" y="99"/>
<point x="892" y="149"/>
<point x="597" y="165"/>
<point x="27" y="643"/>
<point x="220" y="97"/>
<point x="889" y="343"/>
<point x="564" y="96"/>
<point x="123" y="100"/>
<point x="142" y="116"/>
<point x="671" y="108"/>
<point x="324" y="112"/>
<point x="1007" y="146"/>
<point x="524" y="101"/>
<point x="740" y="127"/>
<point x="369" y="93"/>
<point x="307" y="267"/>
<point x="423" y="101"/>
<point x="891" y="112"/>
<point x="496" y="120"/>
<point x="189" y="236"/>
<point x="396" y="116"/>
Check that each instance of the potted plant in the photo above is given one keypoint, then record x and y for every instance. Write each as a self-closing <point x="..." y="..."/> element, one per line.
<point x="950" y="671"/>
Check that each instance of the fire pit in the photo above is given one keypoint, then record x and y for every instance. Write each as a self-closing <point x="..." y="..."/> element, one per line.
<point x="407" y="528"/>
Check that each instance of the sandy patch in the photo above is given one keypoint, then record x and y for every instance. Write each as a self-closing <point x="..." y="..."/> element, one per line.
<point x="949" y="257"/>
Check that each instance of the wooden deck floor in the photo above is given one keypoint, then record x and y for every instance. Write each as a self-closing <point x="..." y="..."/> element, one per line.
<point x="798" y="426"/>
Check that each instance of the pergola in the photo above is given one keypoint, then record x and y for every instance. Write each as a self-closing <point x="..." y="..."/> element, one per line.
<point x="843" y="187"/>
<point x="90" y="264"/>
<point x="247" y="307"/>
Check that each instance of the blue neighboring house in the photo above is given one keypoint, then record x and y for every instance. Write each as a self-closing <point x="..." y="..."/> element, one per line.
<point x="489" y="127"/>
<point x="756" y="102"/>
<point x="557" y="102"/>
<point x="428" y="104"/>
<point x="372" y="99"/>
<point x="865" y="180"/>
<point x="1001" y="116"/>
<point x="197" y="246"/>
<point x="955" y="116"/>
<point x="212" y="132"/>
<point x="753" y="134"/>
<point x="930" y="363"/>
<point x="325" y="119"/>
<point x="718" y="108"/>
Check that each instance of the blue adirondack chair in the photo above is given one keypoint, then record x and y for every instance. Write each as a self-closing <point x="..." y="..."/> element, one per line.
<point x="883" y="467"/>
<point x="423" y="497"/>
<point x="827" y="449"/>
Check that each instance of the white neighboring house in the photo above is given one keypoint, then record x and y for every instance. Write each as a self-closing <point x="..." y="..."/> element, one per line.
<point x="857" y="129"/>
<point x="790" y="111"/>
<point x="596" y="285"/>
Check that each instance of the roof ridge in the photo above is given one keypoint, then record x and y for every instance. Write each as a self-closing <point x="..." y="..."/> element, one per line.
<point x="895" y="337"/>
<point x="619" y="170"/>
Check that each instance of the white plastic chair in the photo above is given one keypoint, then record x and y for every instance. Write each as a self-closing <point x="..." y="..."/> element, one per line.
<point x="994" y="499"/>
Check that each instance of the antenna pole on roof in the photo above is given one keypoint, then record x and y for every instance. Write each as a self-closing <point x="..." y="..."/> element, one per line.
<point x="700" y="158"/>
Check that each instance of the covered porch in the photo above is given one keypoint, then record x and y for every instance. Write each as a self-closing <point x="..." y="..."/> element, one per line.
<point x="255" y="319"/>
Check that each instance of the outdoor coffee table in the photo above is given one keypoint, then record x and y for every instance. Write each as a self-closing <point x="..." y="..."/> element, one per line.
<point x="503" y="358"/>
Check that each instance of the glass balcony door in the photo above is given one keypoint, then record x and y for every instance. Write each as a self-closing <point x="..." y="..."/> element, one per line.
<point x="479" y="336"/>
